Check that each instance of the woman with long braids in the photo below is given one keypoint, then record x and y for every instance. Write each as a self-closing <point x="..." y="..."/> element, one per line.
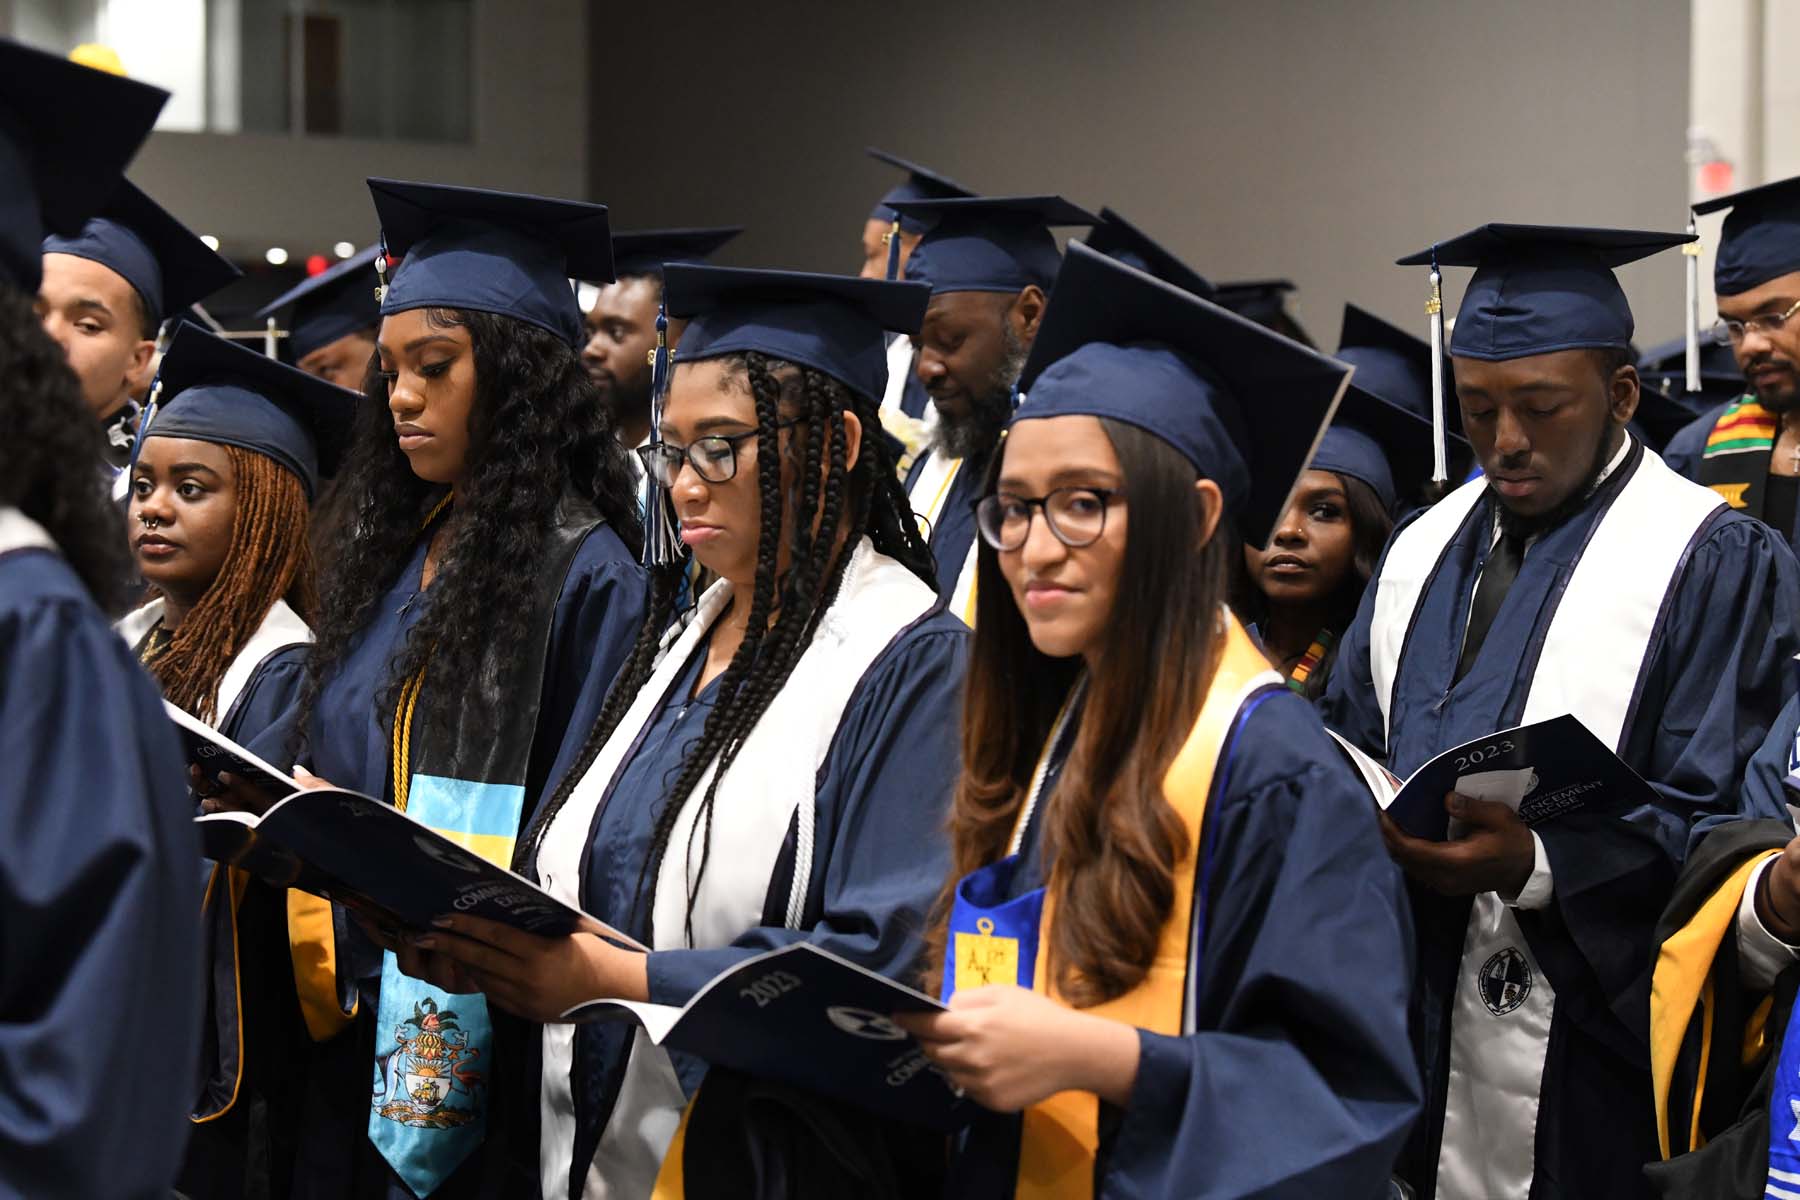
<point x="227" y="462"/>
<point x="99" y="962"/>
<point x="1205" y="950"/>
<point x="778" y="772"/>
<point x="487" y="584"/>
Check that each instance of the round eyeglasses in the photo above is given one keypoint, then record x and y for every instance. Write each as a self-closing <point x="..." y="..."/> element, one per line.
<point x="713" y="457"/>
<point x="1076" y="516"/>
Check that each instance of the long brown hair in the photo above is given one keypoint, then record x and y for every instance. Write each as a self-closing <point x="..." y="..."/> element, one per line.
<point x="270" y="558"/>
<point x="1111" y="841"/>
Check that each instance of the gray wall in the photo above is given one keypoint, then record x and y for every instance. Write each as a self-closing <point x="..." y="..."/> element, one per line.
<point x="1305" y="138"/>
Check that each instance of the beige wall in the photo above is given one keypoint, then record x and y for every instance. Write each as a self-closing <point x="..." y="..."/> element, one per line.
<point x="1317" y="139"/>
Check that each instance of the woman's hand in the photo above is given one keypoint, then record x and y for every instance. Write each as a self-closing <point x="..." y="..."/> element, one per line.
<point x="538" y="978"/>
<point x="437" y="969"/>
<point x="1009" y="1048"/>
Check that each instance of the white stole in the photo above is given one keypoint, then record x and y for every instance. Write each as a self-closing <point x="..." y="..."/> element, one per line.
<point x="768" y="789"/>
<point x="1603" y="631"/>
<point x="281" y="627"/>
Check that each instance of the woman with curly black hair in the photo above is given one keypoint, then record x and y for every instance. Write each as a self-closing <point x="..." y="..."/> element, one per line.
<point x="776" y="774"/>
<point x="488" y="582"/>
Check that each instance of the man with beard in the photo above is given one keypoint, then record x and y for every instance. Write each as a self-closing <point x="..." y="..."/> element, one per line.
<point x="1749" y="449"/>
<point x="990" y="262"/>
<point x="621" y="321"/>
<point x="1578" y="575"/>
<point x="105" y="293"/>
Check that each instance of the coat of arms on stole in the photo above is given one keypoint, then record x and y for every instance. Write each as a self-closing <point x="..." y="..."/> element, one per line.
<point x="427" y="1071"/>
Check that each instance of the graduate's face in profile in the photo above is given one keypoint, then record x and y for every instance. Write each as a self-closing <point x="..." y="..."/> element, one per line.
<point x="1065" y="593"/>
<point x="430" y="371"/>
<point x="95" y="315"/>
<point x="1542" y="426"/>
<point x="971" y="349"/>
<point x="621" y="328"/>
<point x="343" y="362"/>
<point x="183" y="501"/>
<point x="1313" y="547"/>
<point x="875" y="250"/>
<point x="1770" y="359"/>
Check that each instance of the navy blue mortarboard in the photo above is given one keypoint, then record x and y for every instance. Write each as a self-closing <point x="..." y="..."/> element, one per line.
<point x="1118" y="238"/>
<point x="66" y="133"/>
<point x="494" y="252"/>
<point x="989" y="243"/>
<point x="1244" y="405"/>
<point x="1542" y="288"/>
<point x="1265" y="302"/>
<point x="834" y="323"/>
<point x="167" y="264"/>
<point x="214" y="390"/>
<point x="921" y="183"/>
<point x="332" y="304"/>
<point x="647" y="251"/>
<point x="1761" y="237"/>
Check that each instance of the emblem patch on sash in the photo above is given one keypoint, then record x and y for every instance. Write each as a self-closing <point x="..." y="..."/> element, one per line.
<point x="982" y="958"/>
<point x="428" y="1081"/>
<point x="1504" y="981"/>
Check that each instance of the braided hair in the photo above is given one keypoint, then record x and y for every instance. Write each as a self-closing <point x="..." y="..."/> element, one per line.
<point x="269" y="558"/>
<point x="537" y="435"/>
<point x="829" y="507"/>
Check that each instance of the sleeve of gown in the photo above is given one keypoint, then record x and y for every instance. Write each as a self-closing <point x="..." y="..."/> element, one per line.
<point x="1348" y="706"/>
<point x="882" y="853"/>
<point x="1300" y="1081"/>
<point x="598" y="615"/>
<point x="99" y="963"/>
<point x="266" y="712"/>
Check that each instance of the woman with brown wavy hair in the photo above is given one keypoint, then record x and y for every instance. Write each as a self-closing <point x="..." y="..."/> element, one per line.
<point x="1175" y="956"/>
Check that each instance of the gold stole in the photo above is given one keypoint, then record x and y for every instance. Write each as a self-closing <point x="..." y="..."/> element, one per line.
<point x="1061" y="1135"/>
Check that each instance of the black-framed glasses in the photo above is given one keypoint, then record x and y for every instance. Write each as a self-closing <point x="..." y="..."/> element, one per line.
<point x="1727" y="330"/>
<point x="1076" y="516"/>
<point x="713" y="457"/>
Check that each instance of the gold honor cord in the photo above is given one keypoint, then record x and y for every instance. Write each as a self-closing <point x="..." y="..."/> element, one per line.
<point x="400" y="744"/>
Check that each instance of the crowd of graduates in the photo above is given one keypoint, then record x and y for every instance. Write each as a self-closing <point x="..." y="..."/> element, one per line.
<point x="1036" y="625"/>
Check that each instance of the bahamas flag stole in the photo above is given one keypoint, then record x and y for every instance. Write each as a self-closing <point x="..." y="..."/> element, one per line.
<point x="1735" y="463"/>
<point x="433" y="1051"/>
<point x="1060" y="1136"/>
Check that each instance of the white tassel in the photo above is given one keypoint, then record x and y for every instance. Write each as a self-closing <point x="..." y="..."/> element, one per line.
<point x="1691" y="252"/>
<point x="1440" y="464"/>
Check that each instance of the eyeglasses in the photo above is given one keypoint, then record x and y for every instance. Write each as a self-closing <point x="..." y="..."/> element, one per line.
<point x="1075" y="515"/>
<point x="1725" y="329"/>
<point x="714" y="457"/>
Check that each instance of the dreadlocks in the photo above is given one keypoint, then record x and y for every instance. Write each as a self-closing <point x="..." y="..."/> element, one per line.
<point x="831" y="503"/>
<point x="269" y="558"/>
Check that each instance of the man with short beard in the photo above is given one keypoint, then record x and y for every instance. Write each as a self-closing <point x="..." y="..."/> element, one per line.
<point x="990" y="262"/>
<point x="1578" y="575"/>
<point x="621" y="322"/>
<point x="1749" y="449"/>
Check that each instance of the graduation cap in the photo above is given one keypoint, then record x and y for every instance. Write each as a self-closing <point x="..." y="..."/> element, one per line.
<point x="66" y="134"/>
<point x="989" y="243"/>
<point x="165" y="262"/>
<point x="494" y="252"/>
<point x="1118" y="238"/>
<point x="833" y="323"/>
<point x="1662" y="367"/>
<point x="1265" y="302"/>
<point x="921" y="183"/>
<point x="647" y="251"/>
<point x="1243" y="404"/>
<point x="214" y="390"/>
<point x="1760" y="240"/>
<point x="332" y="304"/>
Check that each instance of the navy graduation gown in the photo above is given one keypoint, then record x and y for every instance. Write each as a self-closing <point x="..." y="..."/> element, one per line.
<point x="880" y="856"/>
<point x="597" y="616"/>
<point x="100" y="958"/>
<point x="1714" y="677"/>
<point x="1299" y="1078"/>
<point x="1687" y="448"/>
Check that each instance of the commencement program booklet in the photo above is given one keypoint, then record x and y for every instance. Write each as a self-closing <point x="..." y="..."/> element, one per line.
<point x="362" y="852"/>
<point x="1541" y="771"/>
<point x="803" y="1016"/>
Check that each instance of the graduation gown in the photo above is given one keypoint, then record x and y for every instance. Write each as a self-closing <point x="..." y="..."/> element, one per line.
<point x="1708" y="595"/>
<point x="943" y="493"/>
<point x="100" y="964"/>
<point x="1294" y="1076"/>
<point x="1686" y="453"/>
<point x="597" y="613"/>
<point x="874" y="861"/>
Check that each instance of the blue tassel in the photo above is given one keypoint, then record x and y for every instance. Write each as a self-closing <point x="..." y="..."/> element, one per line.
<point x="893" y="243"/>
<point x="662" y="528"/>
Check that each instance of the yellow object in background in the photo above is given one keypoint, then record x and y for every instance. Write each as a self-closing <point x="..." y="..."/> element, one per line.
<point x="100" y="58"/>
